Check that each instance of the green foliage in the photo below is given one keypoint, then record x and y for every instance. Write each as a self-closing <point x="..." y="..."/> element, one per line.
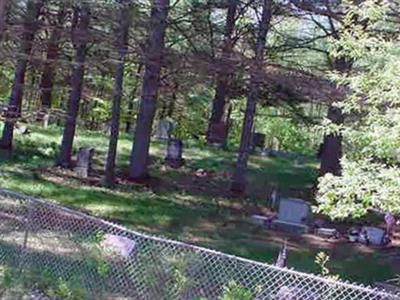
<point x="371" y="166"/>
<point x="67" y="290"/>
<point x="282" y="133"/>
<point x="191" y="114"/>
<point x="45" y="281"/>
<point x="290" y="136"/>
<point x="6" y="76"/>
<point x="363" y="185"/>
<point x="322" y="260"/>
<point x="233" y="291"/>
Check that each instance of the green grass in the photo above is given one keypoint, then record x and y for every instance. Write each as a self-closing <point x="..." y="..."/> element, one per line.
<point x="181" y="206"/>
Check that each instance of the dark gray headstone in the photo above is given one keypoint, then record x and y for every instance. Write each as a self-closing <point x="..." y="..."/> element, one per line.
<point x="164" y="130"/>
<point x="259" y="140"/>
<point x="372" y="236"/>
<point x="218" y="133"/>
<point x="84" y="162"/>
<point x="174" y="153"/>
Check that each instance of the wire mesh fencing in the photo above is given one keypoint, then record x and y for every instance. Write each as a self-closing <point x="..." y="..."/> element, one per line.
<point x="51" y="252"/>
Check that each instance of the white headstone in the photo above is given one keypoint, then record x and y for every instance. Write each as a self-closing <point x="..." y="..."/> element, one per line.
<point x="164" y="130"/>
<point x="294" y="210"/>
<point x="118" y="244"/>
<point x="294" y="216"/>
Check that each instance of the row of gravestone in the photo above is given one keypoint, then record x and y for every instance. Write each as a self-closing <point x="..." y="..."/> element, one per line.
<point x="85" y="156"/>
<point x="295" y="216"/>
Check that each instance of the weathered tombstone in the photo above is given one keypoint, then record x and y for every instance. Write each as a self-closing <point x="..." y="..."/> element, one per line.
<point x="327" y="233"/>
<point x="46" y="120"/>
<point x="84" y="162"/>
<point x="299" y="162"/>
<point x="23" y="129"/>
<point x="373" y="236"/>
<point x="296" y="293"/>
<point x="43" y="116"/>
<point x="269" y="152"/>
<point x="259" y="220"/>
<point x="273" y="197"/>
<point x="174" y="153"/>
<point x="294" y="215"/>
<point x="164" y="130"/>
<point x="218" y="133"/>
<point x="258" y="140"/>
<point x="107" y="128"/>
<point x="390" y="221"/>
<point x="119" y="245"/>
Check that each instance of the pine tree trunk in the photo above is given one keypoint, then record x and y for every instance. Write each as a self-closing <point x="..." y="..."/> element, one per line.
<point x="140" y="150"/>
<point x="2" y="18"/>
<point x="47" y="80"/>
<point x="331" y="151"/>
<point x="225" y="73"/>
<point x="30" y="26"/>
<point x="239" y="177"/>
<point x="81" y="35"/>
<point x="131" y="103"/>
<point x="123" y="35"/>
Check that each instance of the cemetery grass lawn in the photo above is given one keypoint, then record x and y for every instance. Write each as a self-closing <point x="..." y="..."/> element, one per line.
<point x="179" y="205"/>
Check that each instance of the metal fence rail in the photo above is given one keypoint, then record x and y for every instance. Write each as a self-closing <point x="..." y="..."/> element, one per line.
<point x="50" y="252"/>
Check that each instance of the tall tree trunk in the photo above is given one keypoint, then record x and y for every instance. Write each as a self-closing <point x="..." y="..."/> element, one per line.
<point x="331" y="149"/>
<point x="30" y="26"/>
<point x="2" y="18"/>
<point x="140" y="150"/>
<point x="81" y="37"/>
<point x="131" y="103"/>
<point x="225" y="73"/>
<point x="239" y="177"/>
<point x="123" y="36"/>
<point x="47" y="80"/>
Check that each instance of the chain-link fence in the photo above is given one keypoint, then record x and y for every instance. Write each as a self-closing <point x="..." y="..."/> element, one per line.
<point x="51" y="252"/>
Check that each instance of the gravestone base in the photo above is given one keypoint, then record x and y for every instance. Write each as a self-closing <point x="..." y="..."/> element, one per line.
<point x="84" y="162"/>
<point x="294" y="216"/>
<point x="82" y="172"/>
<point x="174" y="153"/>
<point x="259" y="220"/>
<point x="290" y="227"/>
<point x="174" y="163"/>
<point x="327" y="233"/>
<point x="217" y="134"/>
